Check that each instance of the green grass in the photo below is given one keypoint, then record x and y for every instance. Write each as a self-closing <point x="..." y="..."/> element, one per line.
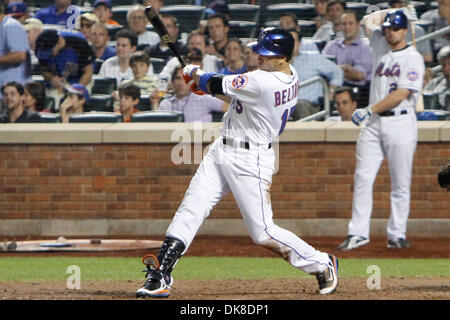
<point x="54" y="268"/>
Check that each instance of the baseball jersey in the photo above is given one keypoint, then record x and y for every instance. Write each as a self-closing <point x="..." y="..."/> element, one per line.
<point x="261" y="104"/>
<point x="403" y="68"/>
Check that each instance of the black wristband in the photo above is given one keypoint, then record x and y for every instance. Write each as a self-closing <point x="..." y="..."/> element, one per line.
<point x="215" y="84"/>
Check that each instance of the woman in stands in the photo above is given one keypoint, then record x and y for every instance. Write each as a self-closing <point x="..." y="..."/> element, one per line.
<point x="234" y="57"/>
<point x="35" y="97"/>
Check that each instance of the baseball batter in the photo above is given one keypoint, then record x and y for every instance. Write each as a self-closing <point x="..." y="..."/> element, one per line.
<point x="242" y="161"/>
<point x="390" y="130"/>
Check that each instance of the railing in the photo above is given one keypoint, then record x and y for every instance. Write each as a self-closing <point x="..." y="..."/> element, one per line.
<point x="326" y="98"/>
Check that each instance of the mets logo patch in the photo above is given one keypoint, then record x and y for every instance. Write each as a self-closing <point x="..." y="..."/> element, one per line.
<point x="240" y="81"/>
<point x="412" y="75"/>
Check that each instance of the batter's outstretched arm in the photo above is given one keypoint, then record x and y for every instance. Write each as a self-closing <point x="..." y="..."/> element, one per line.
<point x="391" y="101"/>
<point x="211" y="82"/>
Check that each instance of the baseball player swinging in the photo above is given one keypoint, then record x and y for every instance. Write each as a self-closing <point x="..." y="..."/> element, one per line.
<point x="242" y="161"/>
<point x="390" y="129"/>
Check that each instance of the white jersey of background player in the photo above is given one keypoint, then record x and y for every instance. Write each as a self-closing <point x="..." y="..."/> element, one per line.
<point x="390" y="131"/>
<point x="242" y="161"/>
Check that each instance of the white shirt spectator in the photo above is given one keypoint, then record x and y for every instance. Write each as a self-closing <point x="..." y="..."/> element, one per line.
<point x="110" y="69"/>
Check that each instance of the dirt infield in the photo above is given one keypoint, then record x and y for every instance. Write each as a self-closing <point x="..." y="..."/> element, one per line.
<point x="298" y="289"/>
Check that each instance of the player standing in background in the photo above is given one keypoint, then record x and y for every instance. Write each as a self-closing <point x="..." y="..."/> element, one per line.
<point x="390" y="130"/>
<point x="242" y="161"/>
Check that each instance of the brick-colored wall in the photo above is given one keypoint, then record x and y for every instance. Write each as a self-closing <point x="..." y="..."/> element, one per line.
<point x="314" y="180"/>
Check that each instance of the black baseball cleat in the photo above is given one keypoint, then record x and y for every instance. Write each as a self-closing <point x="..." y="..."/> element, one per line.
<point x="156" y="285"/>
<point x="353" y="242"/>
<point x="328" y="279"/>
<point x="398" y="243"/>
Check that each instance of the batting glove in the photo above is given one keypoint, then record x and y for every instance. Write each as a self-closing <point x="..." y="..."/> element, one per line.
<point x="189" y="70"/>
<point x="410" y="12"/>
<point x="360" y="115"/>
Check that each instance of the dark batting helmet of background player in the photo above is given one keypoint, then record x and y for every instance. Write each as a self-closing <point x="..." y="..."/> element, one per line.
<point x="395" y="18"/>
<point x="274" y="42"/>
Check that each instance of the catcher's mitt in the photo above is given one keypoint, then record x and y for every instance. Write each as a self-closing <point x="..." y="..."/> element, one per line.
<point x="444" y="177"/>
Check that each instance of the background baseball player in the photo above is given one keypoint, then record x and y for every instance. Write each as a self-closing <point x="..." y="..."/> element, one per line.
<point x="390" y="130"/>
<point x="242" y="161"/>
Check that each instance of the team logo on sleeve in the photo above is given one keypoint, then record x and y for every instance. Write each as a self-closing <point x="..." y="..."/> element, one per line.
<point x="240" y="81"/>
<point x="412" y="74"/>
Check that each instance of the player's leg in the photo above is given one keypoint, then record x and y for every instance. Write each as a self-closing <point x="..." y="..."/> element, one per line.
<point x="207" y="187"/>
<point x="369" y="156"/>
<point x="400" y="142"/>
<point x="250" y="185"/>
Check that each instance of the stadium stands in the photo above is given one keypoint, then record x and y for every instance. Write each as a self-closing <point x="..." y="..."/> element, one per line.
<point x="157" y="116"/>
<point x="95" y="117"/>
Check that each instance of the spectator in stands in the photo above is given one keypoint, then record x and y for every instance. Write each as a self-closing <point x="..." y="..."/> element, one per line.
<point x="211" y="63"/>
<point x="65" y="57"/>
<point x="353" y="54"/>
<point x="76" y="98"/>
<point x="13" y="98"/>
<point x="321" y="9"/>
<point x="251" y="58"/>
<point x="102" y="52"/>
<point x="103" y="11"/>
<point x="18" y="10"/>
<point x="193" y="106"/>
<point x="215" y="7"/>
<point x="234" y="57"/>
<point x="218" y="7"/>
<point x="161" y="50"/>
<point x="118" y="67"/>
<point x="156" y="4"/>
<point x="14" y="62"/>
<point x="85" y="22"/>
<point x="140" y="63"/>
<point x="58" y="13"/>
<point x="309" y="64"/>
<point x="129" y="95"/>
<point x="288" y="21"/>
<point x="33" y="27"/>
<point x="345" y="103"/>
<point x="424" y="47"/>
<point x="440" y="18"/>
<point x="218" y="31"/>
<point x="137" y="21"/>
<point x="329" y="31"/>
<point x="440" y="83"/>
<point x="34" y="96"/>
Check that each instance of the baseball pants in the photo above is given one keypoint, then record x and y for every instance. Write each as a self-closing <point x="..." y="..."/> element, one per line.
<point x="248" y="175"/>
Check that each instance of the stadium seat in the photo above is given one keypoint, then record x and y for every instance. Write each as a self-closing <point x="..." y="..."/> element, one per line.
<point x="120" y="14"/>
<point x="95" y="117"/>
<point x="359" y="7"/>
<point x="433" y="115"/>
<point x="158" y="65"/>
<point x="242" y="29"/>
<point x="425" y="24"/>
<point x="157" y="116"/>
<point x="38" y="78"/>
<point x="303" y="11"/>
<point x="244" y="12"/>
<point x="103" y="85"/>
<point x="217" y="116"/>
<point x="307" y="27"/>
<point x="420" y="6"/>
<point x="36" y="69"/>
<point x="100" y="102"/>
<point x="116" y="3"/>
<point x="50" y="104"/>
<point x="144" y="103"/>
<point x="112" y="30"/>
<point x="188" y="16"/>
<point x="50" y="117"/>
<point x="430" y="100"/>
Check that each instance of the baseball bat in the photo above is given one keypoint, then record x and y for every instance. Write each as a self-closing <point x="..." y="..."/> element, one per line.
<point x="419" y="105"/>
<point x="161" y="30"/>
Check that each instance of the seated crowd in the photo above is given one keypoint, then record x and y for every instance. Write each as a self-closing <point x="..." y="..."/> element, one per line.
<point x="50" y="62"/>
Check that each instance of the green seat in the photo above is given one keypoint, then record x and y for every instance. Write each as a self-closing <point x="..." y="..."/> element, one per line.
<point x="95" y="117"/>
<point x="157" y="116"/>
